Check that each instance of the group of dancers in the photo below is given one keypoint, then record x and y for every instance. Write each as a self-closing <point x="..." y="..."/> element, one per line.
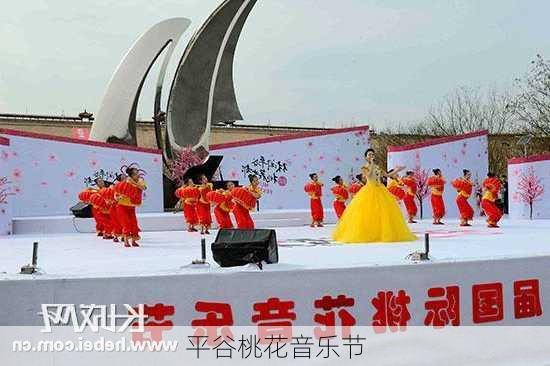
<point x="373" y="215"/>
<point x="114" y="206"/>
<point x="373" y="187"/>
<point x="197" y="199"/>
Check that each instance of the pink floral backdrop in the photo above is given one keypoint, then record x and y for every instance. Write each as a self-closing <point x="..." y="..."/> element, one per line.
<point x="451" y="155"/>
<point x="529" y="187"/>
<point x="6" y="194"/>
<point x="283" y="166"/>
<point x="46" y="174"/>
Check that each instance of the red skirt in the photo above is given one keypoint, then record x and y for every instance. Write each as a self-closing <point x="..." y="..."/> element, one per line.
<point x="222" y="218"/>
<point x="242" y="217"/>
<point x="410" y="205"/>
<point x="116" y="228"/>
<point x="494" y="214"/>
<point x="466" y="211"/>
<point x="438" y="206"/>
<point x="203" y="212"/>
<point x="190" y="214"/>
<point x="339" y="208"/>
<point x="128" y="221"/>
<point x="317" y="211"/>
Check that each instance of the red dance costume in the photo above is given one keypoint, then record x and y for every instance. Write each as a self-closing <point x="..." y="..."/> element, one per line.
<point x="129" y="195"/>
<point x="410" y="194"/>
<point x="354" y="188"/>
<point x="394" y="186"/>
<point x="464" y="188"/>
<point x="203" y="206"/>
<point x="245" y="201"/>
<point x="109" y="196"/>
<point x="189" y="195"/>
<point x="437" y="185"/>
<point x="85" y="196"/>
<point x="341" y="195"/>
<point x="315" y="192"/>
<point x="223" y="205"/>
<point x="494" y="214"/>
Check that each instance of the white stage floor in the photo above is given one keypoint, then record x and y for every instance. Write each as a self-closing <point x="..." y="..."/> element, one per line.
<point x="300" y="248"/>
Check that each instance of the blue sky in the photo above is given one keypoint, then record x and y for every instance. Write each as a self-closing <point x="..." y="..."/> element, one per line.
<point x="300" y="62"/>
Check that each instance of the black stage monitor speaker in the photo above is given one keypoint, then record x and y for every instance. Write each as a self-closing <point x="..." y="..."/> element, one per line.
<point x="82" y="209"/>
<point x="235" y="247"/>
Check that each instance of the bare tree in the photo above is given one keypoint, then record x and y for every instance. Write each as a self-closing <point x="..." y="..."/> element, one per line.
<point x="532" y="103"/>
<point x="469" y="109"/>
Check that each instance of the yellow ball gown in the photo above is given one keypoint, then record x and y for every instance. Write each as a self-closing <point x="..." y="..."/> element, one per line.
<point x="373" y="215"/>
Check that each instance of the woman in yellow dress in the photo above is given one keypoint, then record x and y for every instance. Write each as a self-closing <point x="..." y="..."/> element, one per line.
<point x="373" y="215"/>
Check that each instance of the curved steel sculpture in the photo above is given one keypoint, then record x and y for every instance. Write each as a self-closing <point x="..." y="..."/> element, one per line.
<point x="202" y="91"/>
<point x="116" y="118"/>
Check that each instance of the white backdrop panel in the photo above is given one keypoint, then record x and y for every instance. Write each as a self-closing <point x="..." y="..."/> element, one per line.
<point x="283" y="163"/>
<point x="5" y="189"/>
<point x="47" y="172"/>
<point x="534" y="173"/>
<point x="451" y="155"/>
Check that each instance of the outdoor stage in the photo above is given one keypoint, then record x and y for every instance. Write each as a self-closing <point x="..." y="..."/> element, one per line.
<point x="83" y="269"/>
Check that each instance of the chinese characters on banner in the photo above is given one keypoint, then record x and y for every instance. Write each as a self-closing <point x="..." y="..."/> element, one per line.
<point x="335" y="316"/>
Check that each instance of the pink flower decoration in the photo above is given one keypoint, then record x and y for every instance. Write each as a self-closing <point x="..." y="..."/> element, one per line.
<point x="44" y="184"/>
<point x="35" y="163"/>
<point x="65" y="191"/>
<point x="322" y="172"/>
<point x="338" y="159"/>
<point x="52" y="157"/>
<point x="17" y="174"/>
<point x="321" y="157"/>
<point x="233" y="174"/>
<point x="14" y="154"/>
<point x="4" y="155"/>
<point x="309" y="144"/>
<point x="282" y="181"/>
<point x="93" y="163"/>
<point x="17" y="189"/>
<point x="455" y="161"/>
<point x="156" y="160"/>
<point x="70" y="174"/>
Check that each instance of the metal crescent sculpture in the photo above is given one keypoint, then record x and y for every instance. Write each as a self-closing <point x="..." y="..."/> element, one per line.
<point x="202" y="91"/>
<point x="116" y="118"/>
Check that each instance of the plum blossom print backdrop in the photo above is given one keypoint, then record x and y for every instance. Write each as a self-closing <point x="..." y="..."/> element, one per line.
<point x="47" y="173"/>
<point x="451" y="155"/>
<point x="529" y="187"/>
<point x="5" y="189"/>
<point x="283" y="164"/>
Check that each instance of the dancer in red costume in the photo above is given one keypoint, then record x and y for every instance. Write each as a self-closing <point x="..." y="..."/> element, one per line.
<point x="464" y="187"/>
<point x="203" y="206"/>
<point x="129" y="195"/>
<point x="109" y="196"/>
<point x="85" y="196"/>
<point x="100" y="209"/>
<point x="341" y="195"/>
<point x="437" y="184"/>
<point x="223" y="202"/>
<point x="410" y="194"/>
<point x="395" y="186"/>
<point x="189" y="196"/>
<point x="491" y="185"/>
<point x="245" y="199"/>
<point x="314" y="189"/>
<point x="357" y="185"/>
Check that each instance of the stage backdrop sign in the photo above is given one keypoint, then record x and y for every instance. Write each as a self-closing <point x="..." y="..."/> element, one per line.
<point x="529" y="187"/>
<point x="283" y="163"/>
<point x="451" y="154"/>
<point x="47" y="172"/>
<point x="5" y="189"/>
